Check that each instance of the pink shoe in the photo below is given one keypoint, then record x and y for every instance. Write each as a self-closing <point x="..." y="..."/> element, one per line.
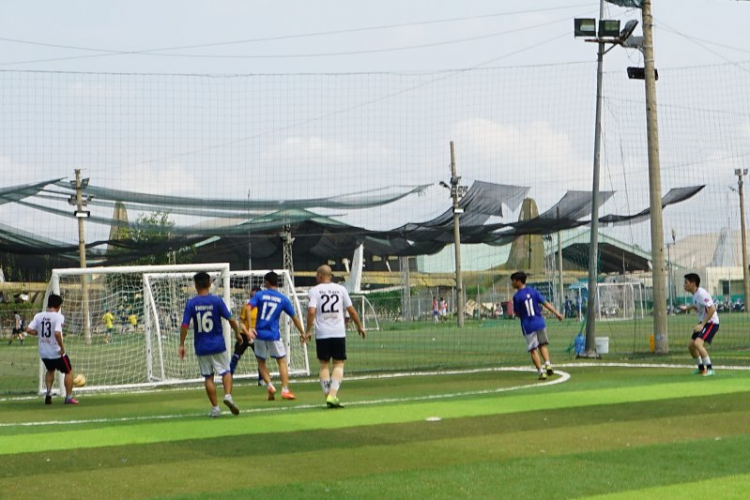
<point x="288" y="395"/>
<point x="71" y="401"/>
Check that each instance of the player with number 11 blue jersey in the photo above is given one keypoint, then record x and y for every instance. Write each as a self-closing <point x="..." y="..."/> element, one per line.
<point x="527" y="305"/>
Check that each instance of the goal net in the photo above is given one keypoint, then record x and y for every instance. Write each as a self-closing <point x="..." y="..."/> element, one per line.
<point x="619" y="301"/>
<point x="240" y="285"/>
<point x="138" y="345"/>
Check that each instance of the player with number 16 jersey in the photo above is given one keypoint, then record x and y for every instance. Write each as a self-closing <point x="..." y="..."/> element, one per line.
<point x="206" y="312"/>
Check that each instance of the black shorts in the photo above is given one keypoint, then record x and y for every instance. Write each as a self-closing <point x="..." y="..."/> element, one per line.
<point x="17" y="331"/>
<point x="708" y="332"/>
<point x="240" y="348"/>
<point x="60" y="364"/>
<point x="331" y="348"/>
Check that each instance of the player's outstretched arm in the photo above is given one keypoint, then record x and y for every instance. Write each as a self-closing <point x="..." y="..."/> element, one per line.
<point x="31" y="331"/>
<point x="300" y="328"/>
<point x="551" y="308"/>
<point x="355" y="317"/>
<point x="183" y="336"/>
<point x="310" y="323"/>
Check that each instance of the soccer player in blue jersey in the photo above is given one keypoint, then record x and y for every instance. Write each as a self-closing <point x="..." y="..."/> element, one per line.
<point x="271" y="303"/>
<point x="205" y="311"/>
<point x="527" y="305"/>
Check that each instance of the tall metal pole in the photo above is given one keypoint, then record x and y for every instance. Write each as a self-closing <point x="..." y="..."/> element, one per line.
<point x="741" y="173"/>
<point x="561" y="305"/>
<point x="594" y="240"/>
<point x="457" y="239"/>
<point x="82" y="258"/>
<point x="661" y="330"/>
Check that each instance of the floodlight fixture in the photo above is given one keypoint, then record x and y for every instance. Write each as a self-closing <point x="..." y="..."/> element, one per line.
<point x="584" y="27"/>
<point x="609" y="28"/>
<point x="628" y="30"/>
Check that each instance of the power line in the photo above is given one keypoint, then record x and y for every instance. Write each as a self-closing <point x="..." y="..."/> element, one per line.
<point x="158" y="52"/>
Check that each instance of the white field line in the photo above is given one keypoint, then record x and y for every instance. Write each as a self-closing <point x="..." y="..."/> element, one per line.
<point x="161" y="387"/>
<point x="596" y="364"/>
<point x="564" y="377"/>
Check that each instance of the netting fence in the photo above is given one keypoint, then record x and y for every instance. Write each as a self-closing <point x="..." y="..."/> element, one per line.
<point x="223" y="156"/>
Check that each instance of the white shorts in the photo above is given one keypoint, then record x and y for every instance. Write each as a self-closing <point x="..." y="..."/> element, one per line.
<point x="536" y="339"/>
<point x="214" y="363"/>
<point x="272" y="348"/>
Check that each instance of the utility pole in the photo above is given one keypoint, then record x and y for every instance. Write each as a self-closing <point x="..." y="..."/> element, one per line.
<point x="81" y="215"/>
<point x="661" y="330"/>
<point x="457" y="192"/>
<point x="741" y="173"/>
<point x="561" y="305"/>
<point x="594" y="239"/>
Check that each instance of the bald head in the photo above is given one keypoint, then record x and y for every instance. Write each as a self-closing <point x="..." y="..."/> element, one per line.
<point x="324" y="274"/>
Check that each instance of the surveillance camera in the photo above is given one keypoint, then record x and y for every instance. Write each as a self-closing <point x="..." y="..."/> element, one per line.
<point x="628" y="29"/>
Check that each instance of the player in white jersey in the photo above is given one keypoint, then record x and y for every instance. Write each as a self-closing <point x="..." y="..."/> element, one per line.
<point x="48" y="326"/>
<point x="327" y="303"/>
<point x="704" y="331"/>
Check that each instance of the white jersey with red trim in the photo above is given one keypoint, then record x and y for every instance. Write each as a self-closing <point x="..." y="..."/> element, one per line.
<point x="46" y="324"/>
<point x="702" y="301"/>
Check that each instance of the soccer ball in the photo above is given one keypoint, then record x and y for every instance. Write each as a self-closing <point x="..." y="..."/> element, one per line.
<point x="79" y="380"/>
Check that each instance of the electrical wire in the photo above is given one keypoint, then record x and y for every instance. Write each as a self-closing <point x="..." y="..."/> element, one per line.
<point x="159" y="52"/>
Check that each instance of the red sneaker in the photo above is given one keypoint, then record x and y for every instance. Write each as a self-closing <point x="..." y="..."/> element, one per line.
<point x="71" y="401"/>
<point x="271" y="393"/>
<point x="288" y="395"/>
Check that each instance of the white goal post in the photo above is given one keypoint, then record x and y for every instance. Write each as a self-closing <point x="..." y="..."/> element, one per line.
<point x="147" y="302"/>
<point x="619" y="301"/>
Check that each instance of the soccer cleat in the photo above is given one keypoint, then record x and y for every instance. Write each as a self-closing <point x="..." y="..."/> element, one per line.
<point x="271" y="393"/>
<point x="697" y="371"/>
<point x="71" y="401"/>
<point x="333" y="402"/>
<point x="709" y="373"/>
<point x="288" y="395"/>
<point x="543" y="376"/>
<point x="48" y="399"/>
<point x="550" y="371"/>
<point x="232" y="407"/>
<point x="215" y="413"/>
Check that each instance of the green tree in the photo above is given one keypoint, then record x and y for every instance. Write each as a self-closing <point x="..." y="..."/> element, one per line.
<point x="154" y="229"/>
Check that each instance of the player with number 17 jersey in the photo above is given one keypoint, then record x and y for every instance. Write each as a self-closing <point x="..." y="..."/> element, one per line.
<point x="206" y="312"/>
<point x="270" y="304"/>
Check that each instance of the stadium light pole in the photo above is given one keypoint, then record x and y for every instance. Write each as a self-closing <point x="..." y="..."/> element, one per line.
<point x="457" y="192"/>
<point x="741" y="173"/>
<point x="608" y="33"/>
<point x="80" y="214"/>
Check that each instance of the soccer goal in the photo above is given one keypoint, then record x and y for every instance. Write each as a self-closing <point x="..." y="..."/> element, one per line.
<point x="140" y="349"/>
<point x="619" y="301"/>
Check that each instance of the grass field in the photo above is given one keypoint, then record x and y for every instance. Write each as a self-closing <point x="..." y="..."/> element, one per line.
<point x="601" y="432"/>
<point x="397" y="347"/>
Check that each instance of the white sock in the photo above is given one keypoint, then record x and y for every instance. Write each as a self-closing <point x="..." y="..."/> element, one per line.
<point x="706" y="360"/>
<point x="227" y="397"/>
<point x="216" y="408"/>
<point x="547" y="363"/>
<point x="335" y="384"/>
<point x="285" y="389"/>
<point x="541" y="370"/>
<point x="326" y="386"/>
<point x="699" y="360"/>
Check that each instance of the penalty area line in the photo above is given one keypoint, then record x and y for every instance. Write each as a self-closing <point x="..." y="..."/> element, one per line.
<point x="564" y="377"/>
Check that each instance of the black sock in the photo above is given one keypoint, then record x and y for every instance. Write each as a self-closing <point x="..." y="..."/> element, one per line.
<point x="701" y="367"/>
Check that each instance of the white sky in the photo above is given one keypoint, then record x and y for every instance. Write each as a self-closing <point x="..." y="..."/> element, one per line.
<point x="415" y="151"/>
